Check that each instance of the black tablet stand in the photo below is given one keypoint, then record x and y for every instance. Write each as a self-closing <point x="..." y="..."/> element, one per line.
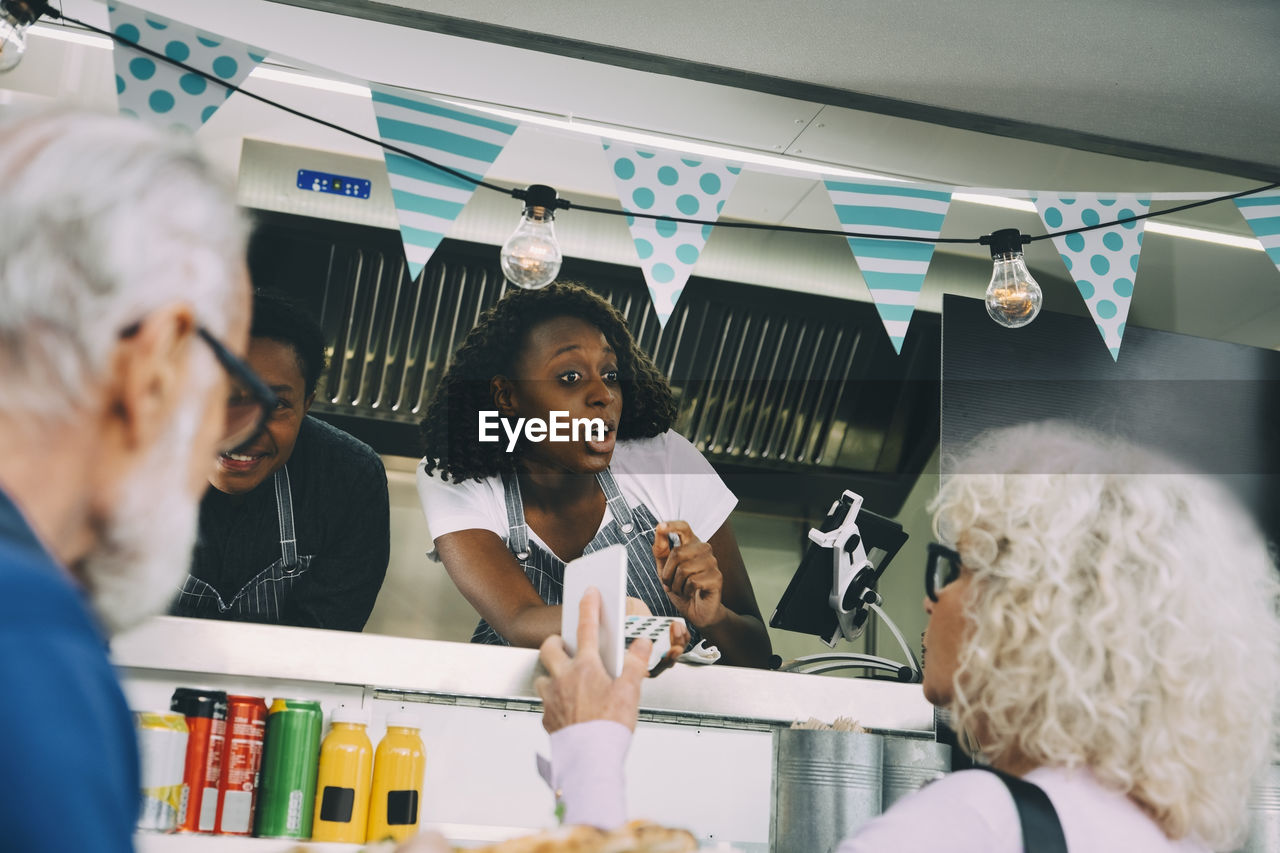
<point x="833" y="592"/>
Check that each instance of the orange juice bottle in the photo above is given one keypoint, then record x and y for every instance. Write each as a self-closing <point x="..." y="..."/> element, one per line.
<point x="398" y="769"/>
<point x="342" y="786"/>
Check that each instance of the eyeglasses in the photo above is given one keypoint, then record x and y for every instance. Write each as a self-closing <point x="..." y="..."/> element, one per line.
<point x="250" y="403"/>
<point x="941" y="568"/>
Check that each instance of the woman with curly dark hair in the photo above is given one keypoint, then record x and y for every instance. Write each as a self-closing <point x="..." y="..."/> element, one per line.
<point x="505" y="521"/>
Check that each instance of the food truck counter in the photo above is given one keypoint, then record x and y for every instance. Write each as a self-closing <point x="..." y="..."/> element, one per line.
<point x="710" y="727"/>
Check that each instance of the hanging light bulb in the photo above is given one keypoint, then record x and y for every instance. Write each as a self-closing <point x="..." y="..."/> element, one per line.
<point x="531" y="256"/>
<point x="16" y="17"/>
<point x="1013" y="296"/>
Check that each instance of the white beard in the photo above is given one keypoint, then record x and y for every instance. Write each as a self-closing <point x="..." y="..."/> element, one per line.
<point x="145" y="547"/>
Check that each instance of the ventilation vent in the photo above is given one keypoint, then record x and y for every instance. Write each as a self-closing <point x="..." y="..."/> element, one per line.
<point x="765" y="380"/>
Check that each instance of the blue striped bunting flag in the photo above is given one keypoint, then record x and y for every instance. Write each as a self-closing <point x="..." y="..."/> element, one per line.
<point x="428" y="200"/>
<point x="893" y="269"/>
<point x="1262" y="212"/>
<point x="1103" y="263"/>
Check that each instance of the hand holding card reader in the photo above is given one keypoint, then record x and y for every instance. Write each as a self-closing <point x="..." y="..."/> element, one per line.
<point x="606" y="570"/>
<point x="655" y="628"/>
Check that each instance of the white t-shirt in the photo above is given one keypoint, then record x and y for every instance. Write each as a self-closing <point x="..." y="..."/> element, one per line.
<point x="666" y="473"/>
<point x="972" y="812"/>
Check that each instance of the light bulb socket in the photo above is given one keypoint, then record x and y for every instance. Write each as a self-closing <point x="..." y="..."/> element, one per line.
<point x="1006" y="241"/>
<point x="26" y="12"/>
<point x="539" y="195"/>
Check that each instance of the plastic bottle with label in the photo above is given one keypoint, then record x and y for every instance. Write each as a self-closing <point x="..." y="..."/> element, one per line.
<point x="398" y="767"/>
<point x="343" y="783"/>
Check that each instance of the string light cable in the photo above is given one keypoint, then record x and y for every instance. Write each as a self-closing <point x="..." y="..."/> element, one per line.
<point x="41" y="7"/>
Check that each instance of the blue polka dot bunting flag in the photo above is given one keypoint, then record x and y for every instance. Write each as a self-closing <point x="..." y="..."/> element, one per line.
<point x="894" y="270"/>
<point x="427" y="199"/>
<point x="662" y="182"/>
<point x="164" y="94"/>
<point x="1103" y="263"/>
<point x="1262" y="212"/>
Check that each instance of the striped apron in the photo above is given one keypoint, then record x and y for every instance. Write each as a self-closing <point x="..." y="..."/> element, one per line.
<point x="259" y="599"/>
<point x="630" y="527"/>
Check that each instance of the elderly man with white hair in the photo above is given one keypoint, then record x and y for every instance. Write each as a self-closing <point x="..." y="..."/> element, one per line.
<point x="124" y="302"/>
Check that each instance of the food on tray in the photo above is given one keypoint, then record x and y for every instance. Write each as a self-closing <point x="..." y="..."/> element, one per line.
<point x="635" y="837"/>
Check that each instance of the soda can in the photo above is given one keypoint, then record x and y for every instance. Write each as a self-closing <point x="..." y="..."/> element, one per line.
<point x="287" y="784"/>
<point x="162" y="750"/>
<point x="241" y="761"/>
<point x="206" y="715"/>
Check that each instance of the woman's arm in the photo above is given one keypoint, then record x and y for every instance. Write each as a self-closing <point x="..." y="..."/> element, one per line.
<point x="709" y="585"/>
<point x="488" y="576"/>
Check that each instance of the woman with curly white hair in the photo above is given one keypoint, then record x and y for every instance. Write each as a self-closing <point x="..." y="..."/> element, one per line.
<point x="1102" y="629"/>
<point x="1102" y="625"/>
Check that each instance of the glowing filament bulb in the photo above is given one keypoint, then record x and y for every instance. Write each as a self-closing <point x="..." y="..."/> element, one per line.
<point x="1013" y="296"/>
<point x="531" y="256"/>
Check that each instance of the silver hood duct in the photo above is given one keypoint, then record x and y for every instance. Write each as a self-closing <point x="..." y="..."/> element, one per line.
<point x="792" y="390"/>
<point x="793" y="397"/>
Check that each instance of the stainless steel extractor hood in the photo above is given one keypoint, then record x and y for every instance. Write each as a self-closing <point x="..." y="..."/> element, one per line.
<point x="792" y="396"/>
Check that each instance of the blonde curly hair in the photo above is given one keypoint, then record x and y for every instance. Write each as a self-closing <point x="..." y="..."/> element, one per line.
<point x="1121" y="617"/>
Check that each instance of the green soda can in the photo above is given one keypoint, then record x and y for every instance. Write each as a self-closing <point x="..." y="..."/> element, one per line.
<point x="287" y="784"/>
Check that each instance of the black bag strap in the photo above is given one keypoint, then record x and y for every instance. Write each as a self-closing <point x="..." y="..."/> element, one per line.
<point x="1041" y="829"/>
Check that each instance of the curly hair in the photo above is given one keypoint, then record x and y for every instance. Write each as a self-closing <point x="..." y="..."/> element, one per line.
<point x="1121" y="617"/>
<point x="492" y="348"/>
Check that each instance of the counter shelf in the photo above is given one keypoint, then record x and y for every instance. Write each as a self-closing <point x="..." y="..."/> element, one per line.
<point x="482" y="722"/>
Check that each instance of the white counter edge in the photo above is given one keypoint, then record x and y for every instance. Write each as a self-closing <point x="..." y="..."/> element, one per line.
<point x="464" y="669"/>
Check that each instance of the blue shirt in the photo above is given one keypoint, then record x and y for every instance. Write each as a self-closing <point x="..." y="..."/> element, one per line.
<point x="69" y="772"/>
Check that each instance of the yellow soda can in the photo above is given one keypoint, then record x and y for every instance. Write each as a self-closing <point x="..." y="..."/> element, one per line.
<point x="162" y="749"/>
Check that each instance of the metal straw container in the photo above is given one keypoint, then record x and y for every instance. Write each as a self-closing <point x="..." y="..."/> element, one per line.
<point x="911" y="763"/>
<point x="826" y="784"/>
<point x="1264" y="814"/>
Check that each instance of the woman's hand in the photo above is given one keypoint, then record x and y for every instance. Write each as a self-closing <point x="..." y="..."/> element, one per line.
<point x="690" y="574"/>
<point x="679" y="635"/>
<point x="636" y="607"/>
<point x="680" y="638"/>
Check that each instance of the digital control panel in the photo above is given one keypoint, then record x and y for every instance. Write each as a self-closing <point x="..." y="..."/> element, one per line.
<point x="323" y="182"/>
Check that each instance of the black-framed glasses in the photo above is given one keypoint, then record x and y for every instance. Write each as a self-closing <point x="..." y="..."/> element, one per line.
<point x="941" y="568"/>
<point x="250" y="402"/>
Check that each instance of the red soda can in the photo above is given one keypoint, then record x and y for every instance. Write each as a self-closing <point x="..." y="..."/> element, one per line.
<point x="206" y="713"/>
<point x="241" y="760"/>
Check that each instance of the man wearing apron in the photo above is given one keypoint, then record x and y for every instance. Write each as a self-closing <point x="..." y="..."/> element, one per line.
<point x="295" y="529"/>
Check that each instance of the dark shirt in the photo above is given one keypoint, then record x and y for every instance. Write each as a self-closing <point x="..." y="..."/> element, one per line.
<point x="70" y="777"/>
<point x="342" y="520"/>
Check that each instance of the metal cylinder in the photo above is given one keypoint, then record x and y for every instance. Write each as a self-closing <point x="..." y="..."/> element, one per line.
<point x="1264" y="814"/>
<point x="826" y="785"/>
<point x="909" y="764"/>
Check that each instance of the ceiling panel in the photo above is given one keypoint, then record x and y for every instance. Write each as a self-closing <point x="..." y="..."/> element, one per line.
<point x="925" y="151"/>
<point x="1176" y="74"/>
